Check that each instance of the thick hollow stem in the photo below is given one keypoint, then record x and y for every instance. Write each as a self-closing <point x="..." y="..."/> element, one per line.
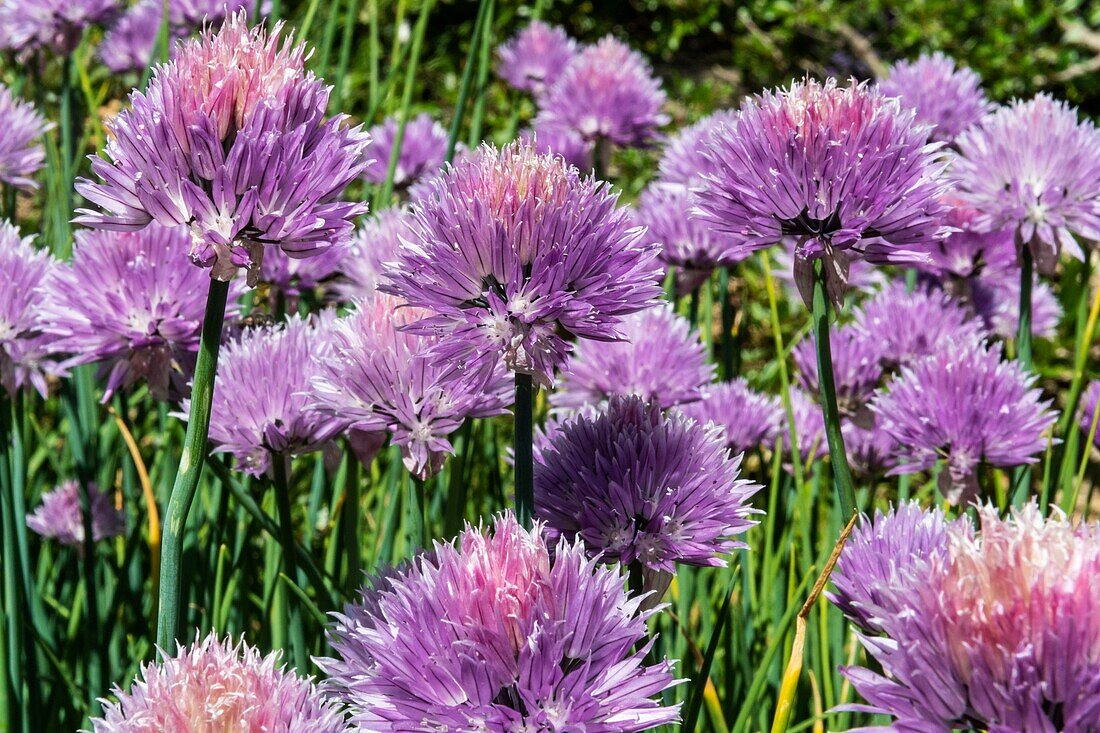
<point x="842" y="474"/>
<point x="416" y="534"/>
<point x="522" y="447"/>
<point x="191" y="462"/>
<point x="1023" y="331"/>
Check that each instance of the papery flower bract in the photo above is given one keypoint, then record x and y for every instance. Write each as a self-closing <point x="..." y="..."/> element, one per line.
<point x="422" y="152"/>
<point x="378" y="376"/>
<point x="945" y="97"/>
<point x="748" y="419"/>
<point x="638" y="486"/>
<point x="996" y="631"/>
<point x="27" y="26"/>
<point x="514" y="643"/>
<point x="513" y="252"/>
<point x="608" y="95"/>
<point x="686" y="240"/>
<point x="877" y="558"/>
<point x="25" y="350"/>
<point x="862" y="276"/>
<point x="842" y="172"/>
<point x="906" y="326"/>
<point x="534" y="58"/>
<point x="857" y="366"/>
<point x="684" y="160"/>
<point x="1034" y="169"/>
<point x="375" y="243"/>
<point x="661" y="359"/>
<point x="214" y="685"/>
<point x="60" y="516"/>
<point x="21" y="151"/>
<point x="965" y="405"/>
<point x="132" y="302"/>
<point x="230" y="139"/>
<point x="261" y="397"/>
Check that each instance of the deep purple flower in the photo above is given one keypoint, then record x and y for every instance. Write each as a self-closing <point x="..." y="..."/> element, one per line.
<point x="641" y="487"/>
<point x="21" y="152"/>
<point x="515" y="643"/>
<point x="857" y="366"/>
<point x="748" y="419"/>
<point x="513" y="252"/>
<point x="60" y="516"/>
<point x="608" y="95"/>
<point x="230" y="139"/>
<point x="994" y="630"/>
<point x="132" y="302"/>
<point x="686" y="240"/>
<point x="684" y="160"/>
<point x="216" y="685"/>
<point x="375" y="243"/>
<point x="1034" y="169"/>
<point x="906" y="326"/>
<point x="379" y="377"/>
<point x="27" y="26"/>
<point x="870" y="449"/>
<point x="965" y="405"/>
<point x="562" y="141"/>
<point x="261" y="397"/>
<point x="25" y="350"/>
<point x="948" y="98"/>
<point x="423" y="149"/>
<point x="879" y="556"/>
<point x="842" y="172"/>
<point x="535" y="57"/>
<point x="660" y="359"/>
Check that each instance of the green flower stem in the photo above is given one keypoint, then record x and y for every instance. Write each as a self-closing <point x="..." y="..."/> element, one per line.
<point x="190" y="467"/>
<point x="842" y="474"/>
<point x="416" y="536"/>
<point x="1021" y="482"/>
<point x="524" y="455"/>
<point x="298" y="652"/>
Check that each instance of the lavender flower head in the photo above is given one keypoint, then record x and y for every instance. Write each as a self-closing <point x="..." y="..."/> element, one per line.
<point x="21" y="152"/>
<point x="686" y="240"/>
<point x="216" y="685"/>
<point x="747" y="419"/>
<point x="1034" y="169"/>
<point x="376" y="242"/>
<point x="423" y="150"/>
<point x="132" y="302"/>
<point x="1090" y="401"/>
<point x="843" y="172"/>
<point x="870" y="449"/>
<point x="260" y="399"/>
<point x="992" y="630"/>
<point x="291" y="277"/>
<point x="967" y="252"/>
<point x="230" y="139"/>
<point x="641" y="487"/>
<point x="27" y="26"/>
<point x="946" y="97"/>
<point x="535" y="57"/>
<point x="561" y="141"/>
<point x="379" y="377"/>
<point x="25" y="349"/>
<point x="857" y="366"/>
<point x="684" y="160"/>
<point x="660" y="359"/>
<point x="906" y="326"/>
<point x="607" y="94"/>
<point x="60" y="517"/>
<point x="515" y="643"/>
<point x="967" y="406"/>
<point x="995" y="297"/>
<point x="513" y="251"/>
<point x="879" y="556"/>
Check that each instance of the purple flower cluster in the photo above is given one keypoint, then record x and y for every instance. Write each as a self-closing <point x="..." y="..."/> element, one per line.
<point x="686" y="241"/>
<point x="512" y="252"/>
<point x="535" y="57"/>
<point x="947" y="98"/>
<point x="660" y="359"/>
<point x="641" y="487"/>
<point x="28" y="26"/>
<point x="684" y="160"/>
<point x="422" y="152"/>
<point x="230" y="139"/>
<point x="60" y="516"/>
<point x="378" y="378"/>
<point x="515" y="642"/>
<point x="967" y="406"/>
<point x="843" y="172"/>
<point x="216" y="685"/>
<point x="132" y="302"/>
<point x="857" y="366"/>
<point x="1034" y="169"/>
<point x="21" y="152"/>
<point x="25" y="348"/>
<point x="993" y="628"/>
<point x="747" y="419"/>
<point x="376" y="242"/>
